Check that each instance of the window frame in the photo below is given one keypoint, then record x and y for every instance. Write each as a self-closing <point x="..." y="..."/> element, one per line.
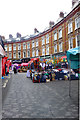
<point x="47" y="38"/>
<point x="77" y="23"/>
<point x="19" y="45"/>
<point x="14" y="47"/>
<point x="10" y="47"/>
<point x="60" y="33"/>
<point x="70" y="43"/>
<point x="47" y="47"/>
<point x="70" y="27"/>
<point x="43" y="41"/>
<point x="18" y="54"/>
<point x="60" y="47"/>
<point x="15" y="54"/>
<point x="55" y="47"/>
<point x="24" y="47"/>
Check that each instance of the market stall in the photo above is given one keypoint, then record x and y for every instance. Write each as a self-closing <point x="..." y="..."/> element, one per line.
<point x="73" y="61"/>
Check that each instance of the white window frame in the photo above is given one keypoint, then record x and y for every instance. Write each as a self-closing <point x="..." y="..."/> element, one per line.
<point x="47" y="50"/>
<point x="14" y="46"/>
<point x="43" y="41"/>
<point x="77" y="40"/>
<point x="60" y="47"/>
<point x="19" y="46"/>
<point x="60" y="33"/>
<point x="28" y="45"/>
<point x="5" y="47"/>
<point x="24" y="45"/>
<point x="10" y="55"/>
<point x="37" y="52"/>
<point x="19" y="56"/>
<point x="36" y="43"/>
<point x="43" y="51"/>
<point x="55" y="48"/>
<point x="33" y="44"/>
<point x="10" y="47"/>
<point x="70" y="43"/>
<point x="55" y="36"/>
<point x="70" y="27"/>
<point x="47" y="38"/>
<point x="14" y="56"/>
<point x="28" y="55"/>
<point x="33" y="53"/>
<point x="77" y="23"/>
<point x="23" y="54"/>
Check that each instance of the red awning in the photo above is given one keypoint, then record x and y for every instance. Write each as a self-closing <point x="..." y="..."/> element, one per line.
<point x="30" y="62"/>
<point x="24" y="64"/>
<point x="35" y="59"/>
<point x="64" y="57"/>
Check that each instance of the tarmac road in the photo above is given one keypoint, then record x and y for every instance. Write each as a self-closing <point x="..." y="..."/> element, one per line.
<point x="25" y="99"/>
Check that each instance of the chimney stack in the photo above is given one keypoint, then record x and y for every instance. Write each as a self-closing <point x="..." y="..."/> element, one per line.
<point x="35" y="30"/>
<point x="61" y="15"/>
<point x="51" y="23"/>
<point x="18" y="35"/>
<point x="73" y="2"/>
<point x="10" y="36"/>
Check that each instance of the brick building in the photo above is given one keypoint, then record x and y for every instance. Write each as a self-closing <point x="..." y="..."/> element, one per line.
<point x="54" y="41"/>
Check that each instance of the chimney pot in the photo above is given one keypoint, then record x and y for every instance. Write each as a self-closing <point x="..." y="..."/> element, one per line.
<point x="61" y="14"/>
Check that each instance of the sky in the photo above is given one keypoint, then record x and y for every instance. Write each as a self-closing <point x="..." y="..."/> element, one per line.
<point x="24" y="15"/>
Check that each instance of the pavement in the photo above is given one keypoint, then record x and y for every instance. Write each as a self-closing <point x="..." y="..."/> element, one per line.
<point x="25" y="99"/>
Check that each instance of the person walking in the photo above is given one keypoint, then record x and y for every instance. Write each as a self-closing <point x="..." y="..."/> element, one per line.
<point x="15" y="70"/>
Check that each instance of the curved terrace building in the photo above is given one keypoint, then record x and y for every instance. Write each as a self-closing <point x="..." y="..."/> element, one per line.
<point x="55" y="41"/>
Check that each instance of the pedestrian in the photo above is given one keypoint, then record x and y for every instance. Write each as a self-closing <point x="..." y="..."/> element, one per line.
<point x="28" y="73"/>
<point x="15" y="70"/>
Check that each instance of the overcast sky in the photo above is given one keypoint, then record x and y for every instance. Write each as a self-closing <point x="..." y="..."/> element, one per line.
<point x="24" y="15"/>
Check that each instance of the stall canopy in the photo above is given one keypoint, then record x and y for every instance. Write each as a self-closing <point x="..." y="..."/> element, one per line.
<point x="24" y="64"/>
<point x="35" y="59"/>
<point x="64" y="57"/>
<point x="73" y="57"/>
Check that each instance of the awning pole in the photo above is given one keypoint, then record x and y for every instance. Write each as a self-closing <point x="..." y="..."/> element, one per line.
<point x="69" y="78"/>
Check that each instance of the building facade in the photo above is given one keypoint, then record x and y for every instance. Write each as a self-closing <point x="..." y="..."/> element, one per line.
<point x="55" y="41"/>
